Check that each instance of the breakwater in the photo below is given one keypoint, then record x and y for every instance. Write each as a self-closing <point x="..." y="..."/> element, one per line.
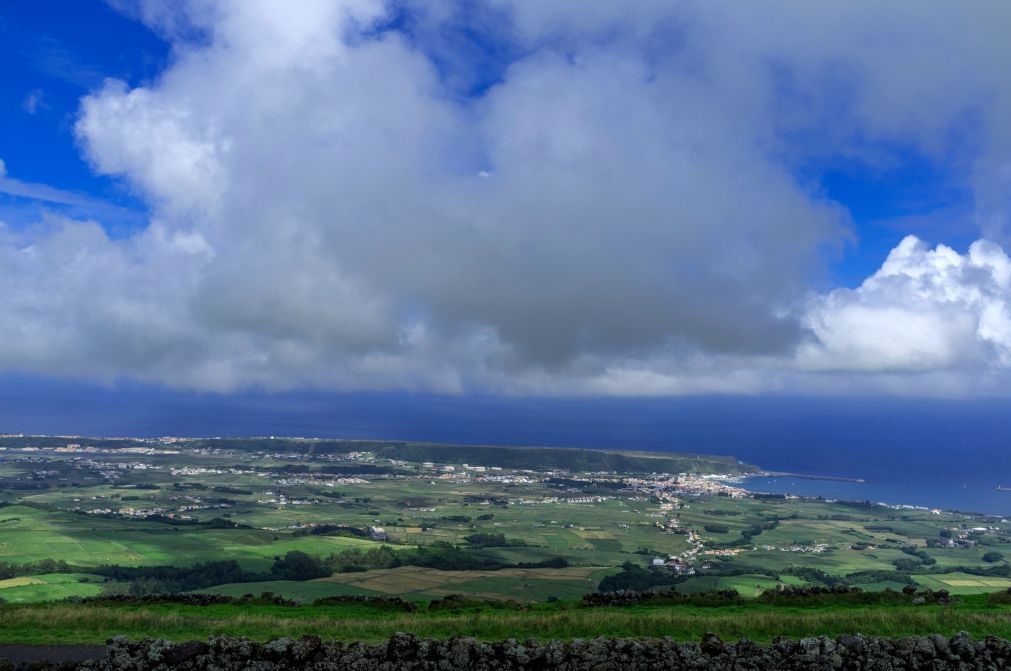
<point x="808" y="476"/>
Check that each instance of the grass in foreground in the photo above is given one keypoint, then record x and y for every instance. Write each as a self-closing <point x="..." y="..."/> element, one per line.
<point x="80" y="623"/>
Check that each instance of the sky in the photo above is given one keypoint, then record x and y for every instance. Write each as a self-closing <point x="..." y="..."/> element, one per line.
<point x="502" y="199"/>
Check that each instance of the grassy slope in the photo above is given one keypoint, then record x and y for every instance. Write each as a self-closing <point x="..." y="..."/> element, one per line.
<point x="541" y="458"/>
<point x="53" y="623"/>
<point x="49" y="587"/>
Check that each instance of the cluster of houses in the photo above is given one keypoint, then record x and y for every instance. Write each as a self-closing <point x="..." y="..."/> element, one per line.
<point x="559" y="499"/>
<point x="666" y="488"/>
<point x="317" y="482"/>
<point x="818" y="548"/>
<point x="136" y="513"/>
<point x="282" y="500"/>
<point x="668" y="524"/>
<point x="76" y="448"/>
<point x="678" y="565"/>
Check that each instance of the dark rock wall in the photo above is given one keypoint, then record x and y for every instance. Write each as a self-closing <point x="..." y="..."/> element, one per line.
<point x="405" y="651"/>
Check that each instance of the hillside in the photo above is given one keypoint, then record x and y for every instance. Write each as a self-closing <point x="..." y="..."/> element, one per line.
<point x="534" y="458"/>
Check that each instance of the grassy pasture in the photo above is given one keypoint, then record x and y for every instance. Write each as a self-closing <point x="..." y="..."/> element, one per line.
<point x="522" y="584"/>
<point x="49" y="623"/>
<point x="963" y="583"/>
<point x="881" y="585"/>
<point x="19" y="582"/>
<point x="422" y="583"/>
<point x="299" y="591"/>
<point x="748" y="585"/>
<point x="745" y="585"/>
<point x="49" y="587"/>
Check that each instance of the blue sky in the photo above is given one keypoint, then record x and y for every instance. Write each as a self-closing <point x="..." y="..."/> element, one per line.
<point x="54" y="54"/>
<point x="914" y="195"/>
<point x="508" y="201"/>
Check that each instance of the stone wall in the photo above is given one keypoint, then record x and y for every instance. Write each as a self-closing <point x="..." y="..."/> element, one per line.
<point x="405" y="651"/>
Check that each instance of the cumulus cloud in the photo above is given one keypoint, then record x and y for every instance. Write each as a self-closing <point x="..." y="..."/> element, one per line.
<point x="616" y="210"/>
<point x="925" y="309"/>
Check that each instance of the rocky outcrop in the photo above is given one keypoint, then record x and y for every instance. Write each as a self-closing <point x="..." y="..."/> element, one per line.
<point x="408" y="652"/>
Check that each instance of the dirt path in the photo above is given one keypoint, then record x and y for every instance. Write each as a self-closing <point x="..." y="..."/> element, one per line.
<point x="18" y="654"/>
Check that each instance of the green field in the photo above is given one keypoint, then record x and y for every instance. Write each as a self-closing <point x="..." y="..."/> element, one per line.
<point x="522" y="584"/>
<point x="420" y="583"/>
<point x="760" y="622"/>
<point x="255" y="501"/>
<point x="961" y="583"/>
<point x="49" y="587"/>
<point x="307" y="591"/>
<point x="38" y="535"/>
<point x="748" y="585"/>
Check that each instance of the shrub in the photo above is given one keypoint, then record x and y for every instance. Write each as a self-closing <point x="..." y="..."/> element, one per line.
<point x="552" y="562"/>
<point x="660" y="598"/>
<point x="463" y="519"/>
<point x="297" y="565"/>
<point x="224" y="489"/>
<point x="919" y="554"/>
<point x="486" y="540"/>
<point x="906" y="564"/>
<point x="635" y="578"/>
<point x="383" y="602"/>
<point x="460" y="602"/>
<point x="164" y="579"/>
<point x="266" y="598"/>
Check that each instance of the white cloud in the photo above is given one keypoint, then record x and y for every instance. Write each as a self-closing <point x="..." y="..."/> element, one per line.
<point x="924" y="310"/>
<point x="131" y="132"/>
<point x="618" y="213"/>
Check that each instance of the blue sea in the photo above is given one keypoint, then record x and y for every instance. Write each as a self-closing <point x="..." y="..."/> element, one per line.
<point x="978" y="497"/>
<point x="934" y="453"/>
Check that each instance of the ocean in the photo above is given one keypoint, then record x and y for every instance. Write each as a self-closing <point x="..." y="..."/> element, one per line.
<point x="934" y="453"/>
<point x="979" y="497"/>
